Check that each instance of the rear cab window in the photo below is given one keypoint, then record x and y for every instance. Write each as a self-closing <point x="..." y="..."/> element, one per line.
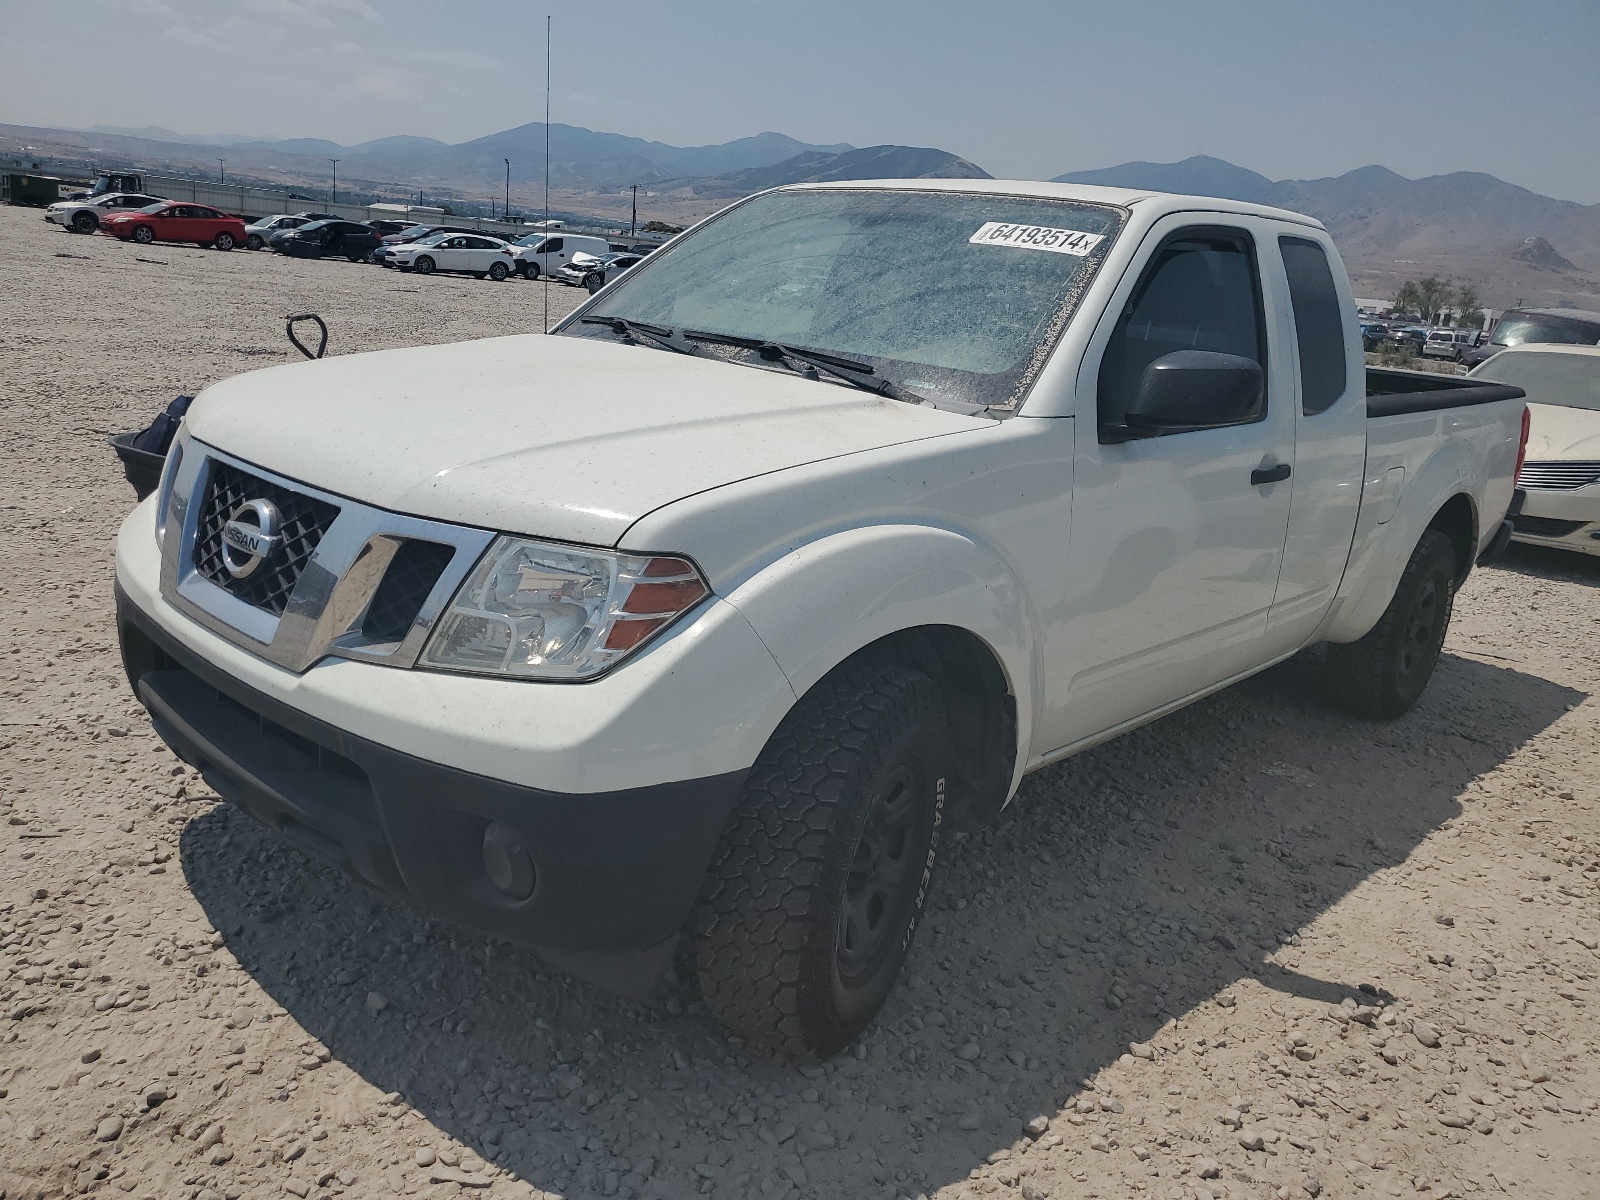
<point x="1318" y="323"/>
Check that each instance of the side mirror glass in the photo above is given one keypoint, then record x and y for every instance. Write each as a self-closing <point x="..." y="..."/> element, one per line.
<point x="1195" y="389"/>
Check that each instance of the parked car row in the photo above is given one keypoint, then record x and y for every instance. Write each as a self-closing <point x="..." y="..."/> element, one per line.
<point x="574" y="259"/>
<point x="1446" y="343"/>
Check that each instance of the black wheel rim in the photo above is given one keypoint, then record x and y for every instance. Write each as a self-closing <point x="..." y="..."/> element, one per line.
<point x="1421" y="628"/>
<point x="881" y="875"/>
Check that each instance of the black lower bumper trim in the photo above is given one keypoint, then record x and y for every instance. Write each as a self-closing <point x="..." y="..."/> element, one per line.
<point x="617" y="872"/>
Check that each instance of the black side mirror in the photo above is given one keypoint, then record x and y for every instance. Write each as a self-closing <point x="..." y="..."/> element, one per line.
<point x="1194" y="389"/>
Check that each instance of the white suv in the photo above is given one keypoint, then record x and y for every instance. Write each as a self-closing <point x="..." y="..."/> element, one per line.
<point x="1449" y="343"/>
<point x="84" y="216"/>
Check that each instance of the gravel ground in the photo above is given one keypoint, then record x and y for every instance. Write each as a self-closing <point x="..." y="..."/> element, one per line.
<point x="1255" y="949"/>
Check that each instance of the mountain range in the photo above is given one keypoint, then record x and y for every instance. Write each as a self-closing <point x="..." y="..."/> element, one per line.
<point x="1515" y="245"/>
<point x="578" y="157"/>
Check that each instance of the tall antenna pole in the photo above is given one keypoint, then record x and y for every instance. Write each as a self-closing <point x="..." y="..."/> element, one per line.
<point x="545" y="274"/>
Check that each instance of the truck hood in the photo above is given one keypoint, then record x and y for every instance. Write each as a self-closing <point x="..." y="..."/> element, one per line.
<point x="564" y="437"/>
<point x="1557" y="433"/>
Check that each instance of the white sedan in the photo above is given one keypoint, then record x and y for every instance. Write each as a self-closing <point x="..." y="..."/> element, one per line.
<point x="472" y="254"/>
<point x="84" y="216"/>
<point x="1561" y="474"/>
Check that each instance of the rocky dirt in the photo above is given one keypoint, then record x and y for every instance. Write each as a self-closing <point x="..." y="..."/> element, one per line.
<point x="1258" y="949"/>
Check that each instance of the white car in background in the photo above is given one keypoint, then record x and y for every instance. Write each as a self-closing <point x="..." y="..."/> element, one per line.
<point x="540" y="255"/>
<point x="1561" y="473"/>
<point x="258" y="232"/>
<point x="84" y="216"/>
<point x="474" y="254"/>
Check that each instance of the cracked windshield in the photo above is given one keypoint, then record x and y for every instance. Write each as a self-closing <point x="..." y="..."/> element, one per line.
<point x="947" y="296"/>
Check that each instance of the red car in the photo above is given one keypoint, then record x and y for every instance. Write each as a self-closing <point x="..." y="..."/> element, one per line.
<point x="170" y="221"/>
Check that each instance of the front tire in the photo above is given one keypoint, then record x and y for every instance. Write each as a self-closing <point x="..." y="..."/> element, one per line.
<point x="423" y="266"/>
<point x="532" y="272"/>
<point x="593" y="282"/>
<point x="144" y="235"/>
<point x="1382" y="675"/>
<point x="819" y="880"/>
<point x="85" y="222"/>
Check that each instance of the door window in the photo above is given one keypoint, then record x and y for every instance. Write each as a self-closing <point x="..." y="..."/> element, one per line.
<point x="1201" y="291"/>
<point x="553" y="245"/>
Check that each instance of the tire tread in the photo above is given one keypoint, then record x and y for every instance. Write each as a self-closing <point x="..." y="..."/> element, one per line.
<point x="753" y="927"/>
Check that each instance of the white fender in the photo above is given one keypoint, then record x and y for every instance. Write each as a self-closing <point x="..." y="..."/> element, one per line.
<point x="820" y="603"/>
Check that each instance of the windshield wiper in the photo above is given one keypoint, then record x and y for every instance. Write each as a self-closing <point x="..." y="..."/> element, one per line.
<point x="633" y="330"/>
<point x="857" y="374"/>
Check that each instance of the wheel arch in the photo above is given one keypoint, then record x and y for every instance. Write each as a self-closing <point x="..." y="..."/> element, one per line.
<point x="1440" y="479"/>
<point x="979" y="704"/>
<point x="930" y="598"/>
<point x="1457" y="519"/>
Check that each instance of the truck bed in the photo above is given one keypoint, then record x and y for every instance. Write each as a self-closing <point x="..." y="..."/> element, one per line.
<point x="1392" y="393"/>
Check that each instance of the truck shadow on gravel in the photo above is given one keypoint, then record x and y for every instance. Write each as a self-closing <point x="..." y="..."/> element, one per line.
<point x="1122" y="889"/>
<point x="1544" y="562"/>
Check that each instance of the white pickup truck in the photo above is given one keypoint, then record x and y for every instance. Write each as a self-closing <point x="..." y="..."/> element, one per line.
<point x="697" y="627"/>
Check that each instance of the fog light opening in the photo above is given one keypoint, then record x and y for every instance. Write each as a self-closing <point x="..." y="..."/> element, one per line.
<point x="508" y="863"/>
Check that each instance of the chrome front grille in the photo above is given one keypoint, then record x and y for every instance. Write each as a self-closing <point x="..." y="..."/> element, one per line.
<point x="348" y="579"/>
<point x="305" y="521"/>
<point x="1562" y="476"/>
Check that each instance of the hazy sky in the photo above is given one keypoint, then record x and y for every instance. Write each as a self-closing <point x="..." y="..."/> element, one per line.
<point x="1021" y="87"/>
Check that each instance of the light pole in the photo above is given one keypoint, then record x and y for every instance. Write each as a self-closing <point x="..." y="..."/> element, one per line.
<point x="335" y="163"/>
<point x="633" y="224"/>
<point x="506" y="211"/>
<point x="222" y="175"/>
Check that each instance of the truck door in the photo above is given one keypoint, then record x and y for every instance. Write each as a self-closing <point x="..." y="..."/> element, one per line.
<point x="1176" y="539"/>
<point x="1329" y="383"/>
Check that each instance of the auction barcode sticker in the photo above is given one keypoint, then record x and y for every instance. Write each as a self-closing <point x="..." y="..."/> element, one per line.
<point x="1036" y="237"/>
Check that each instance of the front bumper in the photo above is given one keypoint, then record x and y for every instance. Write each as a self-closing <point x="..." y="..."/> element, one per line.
<point x="1566" y="520"/>
<point x="615" y="874"/>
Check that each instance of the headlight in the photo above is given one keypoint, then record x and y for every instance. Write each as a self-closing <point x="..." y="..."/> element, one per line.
<point x="536" y="610"/>
<point x="169" y="472"/>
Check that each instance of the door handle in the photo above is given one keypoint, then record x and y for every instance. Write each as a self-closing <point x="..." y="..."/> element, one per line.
<point x="1275" y="474"/>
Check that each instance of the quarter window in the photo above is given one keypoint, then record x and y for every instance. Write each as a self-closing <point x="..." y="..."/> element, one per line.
<point x="1200" y="292"/>
<point x="1318" y="323"/>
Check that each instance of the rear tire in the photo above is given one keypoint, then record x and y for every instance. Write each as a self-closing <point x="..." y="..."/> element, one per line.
<point x="819" y="880"/>
<point x="423" y="266"/>
<point x="253" y="242"/>
<point x="498" y="271"/>
<point x="85" y="222"/>
<point x="1382" y="675"/>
